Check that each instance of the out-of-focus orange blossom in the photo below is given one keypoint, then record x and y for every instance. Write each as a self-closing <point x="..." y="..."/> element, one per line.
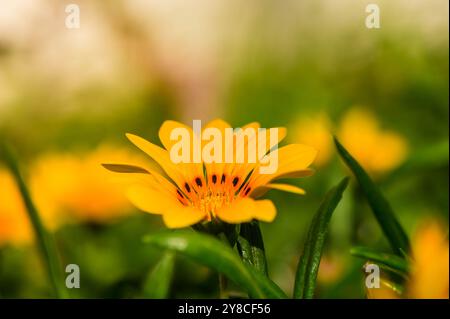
<point x="66" y="187"/>
<point x="14" y="224"/>
<point x="316" y="132"/>
<point x="377" y="150"/>
<point x="429" y="274"/>
<point x="74" y="187"/>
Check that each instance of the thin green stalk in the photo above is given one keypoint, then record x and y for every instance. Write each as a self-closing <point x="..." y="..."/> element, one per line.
<point x="223" y="281"/>
<point x="223" y="287"/>
<point x="45" y="240"/>
<point x="393" y="261"/>
<point x="308" y="266"/>
<point x="226" y="233"/>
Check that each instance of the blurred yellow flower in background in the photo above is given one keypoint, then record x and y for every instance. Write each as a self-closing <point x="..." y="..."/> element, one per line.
<point x="429" y="273"/>
<point x="316" y="131"/>
<point x="74" y="187"/>
<point x="199" y="192"/>
<point x="378" y="151"/>
<point x="51" y="177"/>
<point x="66" y="187"/>
<point x="14" y="224"/>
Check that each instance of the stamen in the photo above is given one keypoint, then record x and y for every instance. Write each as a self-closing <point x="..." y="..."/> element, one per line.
<point x="182" y="198"/>
<point x="210" y="199"/>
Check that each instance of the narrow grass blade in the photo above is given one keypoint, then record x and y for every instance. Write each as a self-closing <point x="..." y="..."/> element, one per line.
<point x="392" y="261"/>
<point x="45" y="240"/>
<point x="305" y="280"/>
<point x="216" y="255"/>
<point x="380" y="206"/>
<point x="270" y="289"/>
<point x="251" y="247"/>
<point x="157" y="284"/>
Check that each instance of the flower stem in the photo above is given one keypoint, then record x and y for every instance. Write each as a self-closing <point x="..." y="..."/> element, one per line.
<point x="223" y="286"/>
<point x="227" y="233"/>
<point x="223" y="281"/>
<point x="45" y="240"/>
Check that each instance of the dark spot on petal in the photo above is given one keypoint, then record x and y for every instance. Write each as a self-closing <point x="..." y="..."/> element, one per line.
<point x="235" y="181"/>
<point x="222" y="181"/>
<point x="214" y="178"/>
<point x="198" y="181"/>
<point x="186" y="185"/>
<point x="179" y="193"/>
<point x="247" y="191"/>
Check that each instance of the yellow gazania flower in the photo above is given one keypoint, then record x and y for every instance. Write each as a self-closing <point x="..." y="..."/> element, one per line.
<point x="376" y="150"/>
<point x="429" y="275"/>
<point x="15" y="227"/>
<point x="316" y="132"/>
<point x="195" y="192"/>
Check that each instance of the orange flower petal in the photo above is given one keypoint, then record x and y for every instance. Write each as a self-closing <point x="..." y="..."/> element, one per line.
<point x="160" y="155"/>
<point x="151" y="200"/>
<point x="293" y="158"/>
<point x="182" y="216"/>
<point x="265" y="210"/>
<point x="281" y="187"/>
<point x="240" y="211"/>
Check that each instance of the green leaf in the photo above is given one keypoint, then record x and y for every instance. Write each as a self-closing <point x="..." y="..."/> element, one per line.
<point x="251" y="247"/>
<point x="380" y="206"/>
<point x="305" y="280"/>
<point x="157" y="284"/>
<point x="44" y="238"/>
<point x="214" y="254"/>
<point x="393" y="262"/>
<point x="226" y="232"/>
<point x="270" y="289"/>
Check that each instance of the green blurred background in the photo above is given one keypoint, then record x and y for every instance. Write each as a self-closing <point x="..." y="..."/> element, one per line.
<point x="133" y="64"/>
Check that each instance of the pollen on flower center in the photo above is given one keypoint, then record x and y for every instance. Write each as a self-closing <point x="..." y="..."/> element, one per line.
<point x="210" y="203"/>
<point x="209" y="197"/>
